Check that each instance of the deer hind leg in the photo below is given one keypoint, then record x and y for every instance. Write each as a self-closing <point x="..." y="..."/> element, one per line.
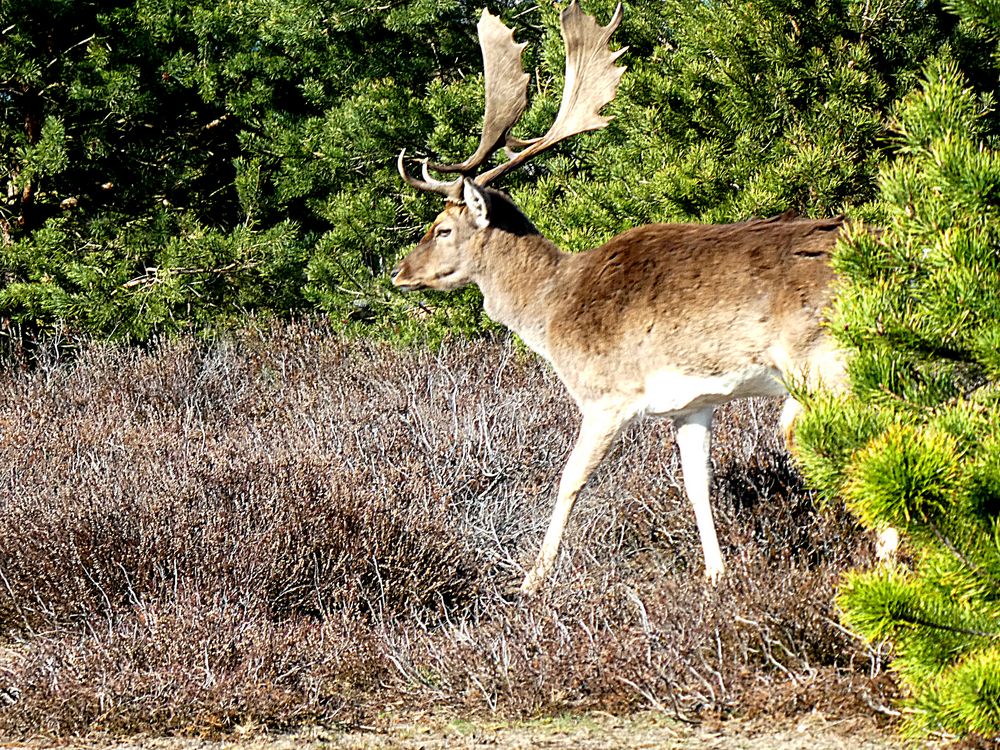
<point x="886" y="544"/>
<point x="789" y="412"/>
<point x="597" y="432"/>
<point x="887" y="539"/>
<point x="694" y="438"/>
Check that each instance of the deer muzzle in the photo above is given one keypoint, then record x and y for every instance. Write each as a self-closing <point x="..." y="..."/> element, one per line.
<point x="402" y="282"/>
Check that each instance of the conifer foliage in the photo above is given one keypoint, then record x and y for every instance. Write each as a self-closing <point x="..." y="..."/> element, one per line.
<point x="177" y="165"/>
<point x="169" y="165"/>
<point x="917" y="444"/>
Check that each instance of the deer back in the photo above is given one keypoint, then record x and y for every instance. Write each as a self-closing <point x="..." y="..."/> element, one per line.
<point x="705" y="301"/>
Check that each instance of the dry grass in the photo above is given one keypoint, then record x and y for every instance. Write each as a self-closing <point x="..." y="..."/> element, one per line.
<point x="281" y="529"/>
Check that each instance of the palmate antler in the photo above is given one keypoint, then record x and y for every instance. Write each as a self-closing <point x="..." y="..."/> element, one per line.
<point x="591" y="81"/>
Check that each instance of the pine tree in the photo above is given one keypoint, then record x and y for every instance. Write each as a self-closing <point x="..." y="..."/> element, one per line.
<point x="735" y="110"/>
<point x="916" y="446"/>
<point x="182" y="164"/>
<point x="179" y="164"/>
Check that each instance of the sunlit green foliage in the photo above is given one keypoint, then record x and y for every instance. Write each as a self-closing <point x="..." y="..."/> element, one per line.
<point x="183" y="164"/>
<point x="915" y="445"/>
<point x="175" y="165"/>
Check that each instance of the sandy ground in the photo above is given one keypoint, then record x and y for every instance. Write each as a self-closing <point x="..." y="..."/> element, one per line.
<point x="589" y="732"/>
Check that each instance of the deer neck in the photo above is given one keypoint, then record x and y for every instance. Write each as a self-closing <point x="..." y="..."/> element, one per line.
<point x="515" y="276"/>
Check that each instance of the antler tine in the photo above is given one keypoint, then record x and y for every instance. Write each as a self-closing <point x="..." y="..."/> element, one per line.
<point x="591" y="81"/>
<point x="506" y="93"/>
<point x="451" y="190"/>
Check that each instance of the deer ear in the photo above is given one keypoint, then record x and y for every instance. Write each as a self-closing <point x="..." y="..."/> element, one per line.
<point x="478" y="203"/>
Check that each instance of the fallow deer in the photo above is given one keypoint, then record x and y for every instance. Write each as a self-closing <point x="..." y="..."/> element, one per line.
<point x="666" y="319"/>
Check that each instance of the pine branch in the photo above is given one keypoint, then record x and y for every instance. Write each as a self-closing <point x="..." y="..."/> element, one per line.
<point x="973" y="567"/>
<point x="914" y="620"/>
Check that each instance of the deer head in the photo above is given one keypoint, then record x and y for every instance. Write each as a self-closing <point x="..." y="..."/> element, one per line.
<point x="447" y="255"/>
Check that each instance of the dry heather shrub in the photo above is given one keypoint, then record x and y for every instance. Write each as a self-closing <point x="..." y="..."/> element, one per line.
<point x="131" y="474"/>
<point x="629" y="623"/>
<point x="281" y="527"/>
<point x="196" y="667"/>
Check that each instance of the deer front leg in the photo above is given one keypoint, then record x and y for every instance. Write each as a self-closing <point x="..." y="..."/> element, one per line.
<point x="597" y="432"/>
<point x="694" y="438"/>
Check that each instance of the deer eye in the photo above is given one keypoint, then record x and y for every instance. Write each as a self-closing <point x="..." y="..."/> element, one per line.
<point x="443" y="232"/>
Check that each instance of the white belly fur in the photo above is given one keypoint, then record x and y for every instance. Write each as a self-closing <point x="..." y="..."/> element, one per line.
<point x="669" y="392"/>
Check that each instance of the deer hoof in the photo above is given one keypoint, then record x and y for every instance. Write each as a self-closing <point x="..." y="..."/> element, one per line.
<point x="713" y="574"/>
<point x="533" y="582"/>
